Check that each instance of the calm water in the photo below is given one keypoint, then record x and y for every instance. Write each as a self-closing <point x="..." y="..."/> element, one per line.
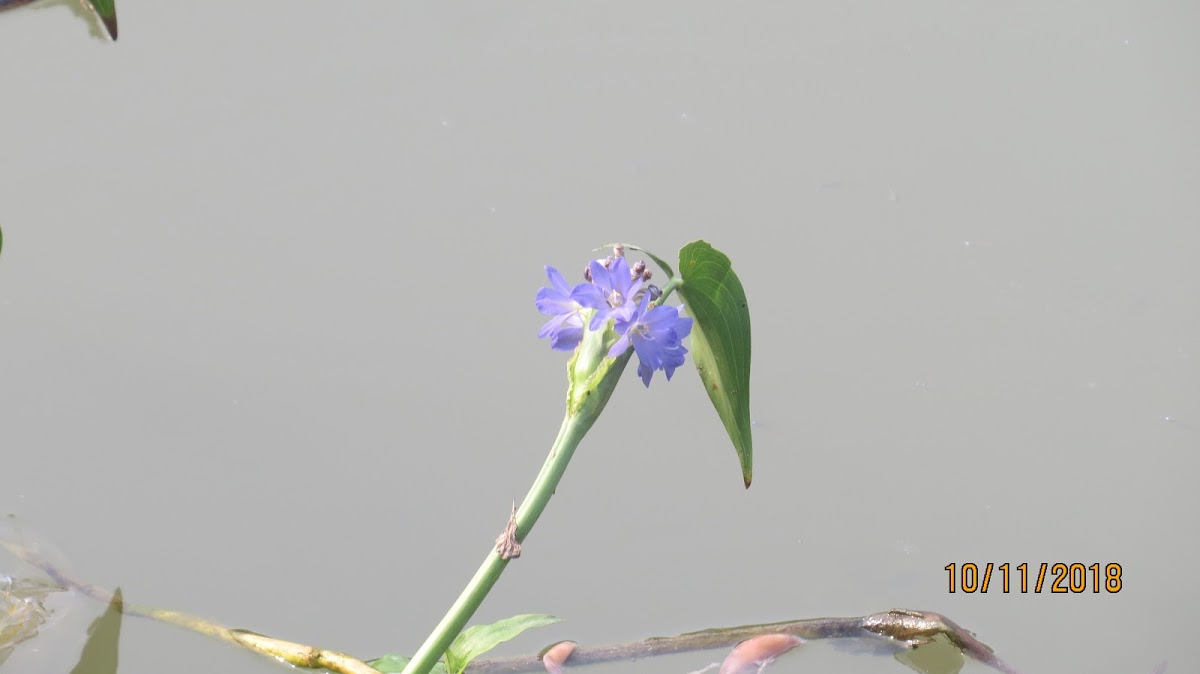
<point x="268" y="282"/>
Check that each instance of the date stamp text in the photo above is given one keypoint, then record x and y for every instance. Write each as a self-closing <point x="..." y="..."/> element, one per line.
<point x="1058" y="578"/>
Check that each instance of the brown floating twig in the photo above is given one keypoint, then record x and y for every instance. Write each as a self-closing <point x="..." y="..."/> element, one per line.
<point x="907" y="628"/>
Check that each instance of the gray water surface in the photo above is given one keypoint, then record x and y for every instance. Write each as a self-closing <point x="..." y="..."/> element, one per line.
<point x="268" y="280"/>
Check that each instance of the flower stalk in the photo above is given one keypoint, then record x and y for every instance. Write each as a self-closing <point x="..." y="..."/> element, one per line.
<point x="593" y="376"/>
<point x="601" y="320"/>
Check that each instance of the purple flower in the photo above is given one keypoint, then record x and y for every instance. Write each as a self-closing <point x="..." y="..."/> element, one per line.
<point x="657" y="336"/>
<point x="565" y="330"/>
<point x="611" y="292"/>
<point x="615" y="292"/>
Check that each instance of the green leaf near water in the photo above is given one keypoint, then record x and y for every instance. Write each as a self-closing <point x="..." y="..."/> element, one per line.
<point x="720" y="342"/>
<point x="107" y="11"/>
<point x="394" y="664"/>
<point x="479" y="639"/>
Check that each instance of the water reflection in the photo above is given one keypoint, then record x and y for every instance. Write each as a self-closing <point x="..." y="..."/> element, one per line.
<point x="100" y="652"/>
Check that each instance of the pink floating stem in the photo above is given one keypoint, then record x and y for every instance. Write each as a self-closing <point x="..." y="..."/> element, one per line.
<point x="751" y="655"/>
<point x="554" y="657"/>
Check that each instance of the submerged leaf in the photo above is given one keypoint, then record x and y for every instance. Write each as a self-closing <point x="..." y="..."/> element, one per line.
<point x="939" y="655"/>
<point x="714" y="297"/>
<point x="479" y="639"/>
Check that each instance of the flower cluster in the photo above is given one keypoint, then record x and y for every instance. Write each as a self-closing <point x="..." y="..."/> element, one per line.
<point x="615" y="292"/>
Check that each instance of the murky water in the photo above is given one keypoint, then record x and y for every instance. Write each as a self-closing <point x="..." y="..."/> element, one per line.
<point x="267" y="323"/>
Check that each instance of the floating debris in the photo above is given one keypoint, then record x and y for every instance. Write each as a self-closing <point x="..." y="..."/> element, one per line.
<point x="21" y="611"/>
<point x="554" y="657"/>
<point x="754" y="654"/>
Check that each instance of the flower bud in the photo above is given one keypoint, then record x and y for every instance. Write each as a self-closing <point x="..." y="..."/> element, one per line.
<point x="637" y="270"/>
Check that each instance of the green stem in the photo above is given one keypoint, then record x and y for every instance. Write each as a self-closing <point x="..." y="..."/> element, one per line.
<point x="584" y="405"/>
<point x="668" y="289"/>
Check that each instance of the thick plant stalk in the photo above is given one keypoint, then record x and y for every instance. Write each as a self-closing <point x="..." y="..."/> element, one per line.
<point x="592" y="378"/>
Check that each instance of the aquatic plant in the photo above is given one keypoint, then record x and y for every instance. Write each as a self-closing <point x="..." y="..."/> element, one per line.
<point x="614" y="313"/>
<point x="607" y="318"/>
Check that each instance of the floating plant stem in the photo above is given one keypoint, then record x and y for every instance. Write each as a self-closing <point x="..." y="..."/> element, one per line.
<point x="755" y="653"/>
<point x="554" y="657"/>
<point x="292" y="653"/>
<point x="904" y="627"/>
<point x="32" y="558"/>
<point x="907" y="629"/>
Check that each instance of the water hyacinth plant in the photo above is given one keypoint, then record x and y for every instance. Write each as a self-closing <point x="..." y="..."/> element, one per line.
<point x="613" y="314"/>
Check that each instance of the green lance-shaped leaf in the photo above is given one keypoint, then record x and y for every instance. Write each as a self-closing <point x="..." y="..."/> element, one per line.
<point x="479" y="639"/>
<point x="107" y="11"/>
<point x="720" y="342"/>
